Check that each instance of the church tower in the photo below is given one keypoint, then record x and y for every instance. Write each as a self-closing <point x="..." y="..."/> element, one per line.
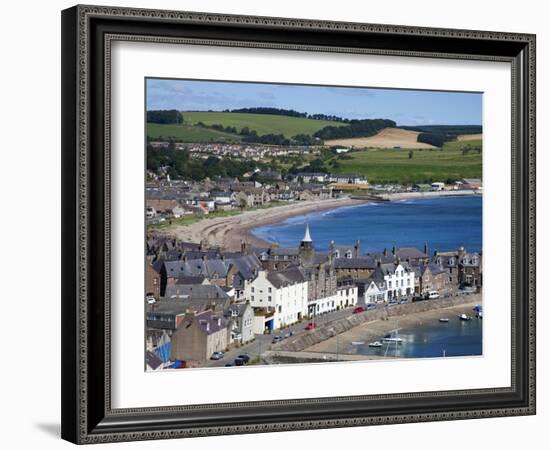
<point x="306" y="250"/>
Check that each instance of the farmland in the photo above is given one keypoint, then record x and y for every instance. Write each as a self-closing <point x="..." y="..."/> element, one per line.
<point x="261" y="123"/>
<point x="386" y="138"/>
<point x="187" y="133"/>
<point x="426" y="165"/>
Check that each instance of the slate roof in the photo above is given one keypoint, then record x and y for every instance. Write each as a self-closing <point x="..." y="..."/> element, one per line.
<point x="288" y="277"/>
<point x="239" y="307"/>
<point x="410" y="253"/>
<point x="364" y="262"/>
<point x="202" y="291"/>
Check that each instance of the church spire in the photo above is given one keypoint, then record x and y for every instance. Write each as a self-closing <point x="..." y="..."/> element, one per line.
<point x="307" y="236"/>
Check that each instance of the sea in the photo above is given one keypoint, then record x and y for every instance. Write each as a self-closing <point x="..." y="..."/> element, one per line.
<point x="443" y="223"/>
<point x="430" y="340"/>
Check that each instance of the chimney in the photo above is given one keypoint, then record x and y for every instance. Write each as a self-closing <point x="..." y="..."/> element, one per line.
<point x="393" y="250"/>
<point x="425" y="248"/>
<point x="385" y="252"/>
<point x="378" y="263"/>
<point x="358" y="248"/>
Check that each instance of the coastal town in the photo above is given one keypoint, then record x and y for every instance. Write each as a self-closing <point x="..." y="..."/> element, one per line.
<point x="224" y="171"/>
<point x="235" y="300"/>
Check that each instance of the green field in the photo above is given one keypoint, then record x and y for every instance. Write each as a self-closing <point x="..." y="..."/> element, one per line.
<point x="262" y="123"/>
<point x="187" y="133"/>
<point x="429" y="165"/>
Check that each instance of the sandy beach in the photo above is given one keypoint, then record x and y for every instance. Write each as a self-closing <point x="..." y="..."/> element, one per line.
<point x="228" y="232"/>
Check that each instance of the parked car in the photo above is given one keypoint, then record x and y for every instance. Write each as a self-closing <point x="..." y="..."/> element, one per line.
<point x="217" y="355"/>
<point x="311" y="326"/>
<point x="244" y="357"/>
<point x="418" y="298"/>
<point x="371" y="306"/>
<point x="358" y="310"/>
<point x="393" y="303"/>
<point x="403" y="301"/>
<point x="432" y="295"/>
<point x="150" y="300"/>
<point x="239" y="362"/>
<point x="288" y="334"/>
<point x="276" y="339"/>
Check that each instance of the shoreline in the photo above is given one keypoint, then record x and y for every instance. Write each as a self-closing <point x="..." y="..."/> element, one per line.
<point x="375" y="329"/>
<point x="229" y="232"/>
<point x="392" y="197"/>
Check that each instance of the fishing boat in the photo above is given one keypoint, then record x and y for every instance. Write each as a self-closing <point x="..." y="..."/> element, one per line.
<point x="444" y="319"/>
<point x="465" y="317"/>
<point x="375" y="344"/>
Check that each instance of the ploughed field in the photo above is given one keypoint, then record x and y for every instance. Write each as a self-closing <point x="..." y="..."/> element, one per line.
<point x="426" y="165"/>
<point x="386" y="138"/>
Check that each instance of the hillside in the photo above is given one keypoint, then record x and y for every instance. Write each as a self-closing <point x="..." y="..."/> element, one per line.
<point x="386" y="138"/>
<point x="187" y="133"/>
<point x="262" y="123"/>
<point x="426" y="165"/>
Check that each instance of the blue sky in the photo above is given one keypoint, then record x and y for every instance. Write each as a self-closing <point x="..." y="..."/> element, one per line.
<point x="406" y="107"/>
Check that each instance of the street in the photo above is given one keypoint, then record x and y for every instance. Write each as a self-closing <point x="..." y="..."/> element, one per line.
<point x="262" y="342"/>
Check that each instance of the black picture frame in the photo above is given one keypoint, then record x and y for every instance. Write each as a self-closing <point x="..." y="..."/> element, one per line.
<point x="87" y="416"/>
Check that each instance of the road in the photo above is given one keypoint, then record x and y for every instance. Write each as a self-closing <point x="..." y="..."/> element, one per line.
<point x="262" y="342"/>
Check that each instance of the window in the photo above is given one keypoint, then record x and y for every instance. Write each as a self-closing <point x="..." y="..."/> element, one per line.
<point x="252" y="289"/>
<point x="269" y="298"/>
<point x="268" y="289"/>
<point x="252" y="298"/>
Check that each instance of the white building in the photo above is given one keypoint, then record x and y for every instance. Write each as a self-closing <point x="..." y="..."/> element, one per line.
<point x="398" y="279"/>
<point x="347" y="296"/>
<point x="279" y="297"/>
<point x="375" y="292"/>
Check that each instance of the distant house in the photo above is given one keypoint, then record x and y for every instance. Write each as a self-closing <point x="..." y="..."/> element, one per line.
<point x="198" y="336"/>
<point x="312" y="177"/>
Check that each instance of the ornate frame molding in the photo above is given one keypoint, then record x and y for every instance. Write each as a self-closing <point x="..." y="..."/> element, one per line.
<point x="81" y="422"/>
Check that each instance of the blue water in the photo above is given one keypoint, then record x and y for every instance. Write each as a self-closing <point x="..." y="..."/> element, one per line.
<point x="432" y="340"/>
<point x="445" y="223"/>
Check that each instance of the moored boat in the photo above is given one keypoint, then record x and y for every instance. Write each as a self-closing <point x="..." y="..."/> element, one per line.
<point x="375" y="344"/>
<point x="465" y="317"/>
<point x="444" y="319"/>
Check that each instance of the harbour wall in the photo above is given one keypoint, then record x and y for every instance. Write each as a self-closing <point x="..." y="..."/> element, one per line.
<point x="335" y="327"/>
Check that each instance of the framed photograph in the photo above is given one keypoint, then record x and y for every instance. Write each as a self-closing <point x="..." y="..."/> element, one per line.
<point x="284" y="224"/>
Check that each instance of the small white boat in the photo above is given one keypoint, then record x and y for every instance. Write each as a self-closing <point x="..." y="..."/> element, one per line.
<point x="479" y="315"/>
<point x="396" y="340"/>
<point x="375" y="344"/>
<point x="357" y="342"/>
<point x="465" y="317"/>
<point x="444" y="319"/>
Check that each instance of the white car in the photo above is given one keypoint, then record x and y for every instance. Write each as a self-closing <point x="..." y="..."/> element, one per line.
<point x="433" y="295"/>
<point x="150" y="299"/>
